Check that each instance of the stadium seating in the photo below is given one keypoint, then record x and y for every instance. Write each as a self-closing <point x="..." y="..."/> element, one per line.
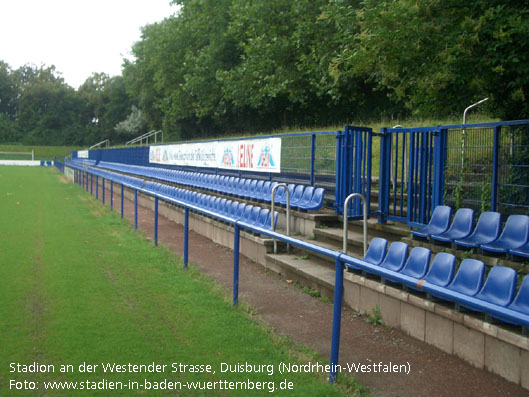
<point x="305" y="198"/>
<point x="438" y="222"/>
<point x="417" y="264"/>
<point x="460" y="228"/>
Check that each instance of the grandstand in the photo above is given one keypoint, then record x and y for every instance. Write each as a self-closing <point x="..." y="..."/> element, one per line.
<point x="445" y="264"/>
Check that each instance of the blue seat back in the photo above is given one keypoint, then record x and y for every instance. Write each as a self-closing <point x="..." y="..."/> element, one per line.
<point x="521" y="302"/>
<point x="396" y="256"/>
<point x="262" y="220"/>
<point x="377" y="251"/>
<point x="417" y="264"/>
<point x="488" y="227"/>
<point x="297" y="194"/>
<point x="247" y="213"/>
<point x="240" y="211"/>
<point x="469" y="277"/>
<point x="516" y="231"/>
<point x="463" y="221"/>
<point x="442" y="269"/>
<point x="254" y="215"/>
<point x="307" y="196"/>
<point x="499" y="287"/>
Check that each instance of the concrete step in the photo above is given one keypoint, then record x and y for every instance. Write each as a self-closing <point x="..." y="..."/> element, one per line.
<point x="311" y="272"/>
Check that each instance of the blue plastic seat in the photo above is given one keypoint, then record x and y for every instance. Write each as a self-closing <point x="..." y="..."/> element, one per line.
<point x="500" y="286"/>
<point x="376" y="252"/>
<point x="438" y="222"/>
<point x="275" y="220"/>
<point x="256" y="190"/>
<point x="417" y="264"/>
<point x="396" y="256"/>
<point x="469" y="278"/>
<point x="515" y="235"/>
<point x="267" y="196"/>
<point x="263" y="219"/>
<point x="487" y="230"/>
<point x="254" y="215"/>
<point x="305" y="199"/>
<point x="316" y="201"/>
<point x="249" y="191"/>
<point x="461" y="226"/>
<point x="240" y="211"/>
<point x="441" y="270"/>
<point x="247" y="213"/>
<point x="296" y="195"/>
<point x="233" y="209"/>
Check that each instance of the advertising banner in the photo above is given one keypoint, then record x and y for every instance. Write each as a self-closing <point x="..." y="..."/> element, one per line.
<point x="82" y="154"/>
<point x="258" y="155"/>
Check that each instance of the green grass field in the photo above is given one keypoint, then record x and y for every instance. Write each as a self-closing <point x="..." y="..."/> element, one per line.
<point x="79" y="286"/>
<point x="41" y="152"/>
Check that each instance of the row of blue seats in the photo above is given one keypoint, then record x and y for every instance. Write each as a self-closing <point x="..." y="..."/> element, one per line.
<point x="85" y="161"/>
<point x="499" y="289"/>
<point x="301" y="197"/>
<point x="252" y="215"/>
<point x="487" y="234"/>
<point x="118" y="178"/>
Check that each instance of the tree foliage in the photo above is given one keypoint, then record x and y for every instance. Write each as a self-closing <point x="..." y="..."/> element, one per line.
<point x="227" y="66"/>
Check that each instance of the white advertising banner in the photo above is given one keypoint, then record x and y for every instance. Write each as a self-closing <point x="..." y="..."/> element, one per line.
<point x="259" y="155"/>
<point x="82" y="154"/>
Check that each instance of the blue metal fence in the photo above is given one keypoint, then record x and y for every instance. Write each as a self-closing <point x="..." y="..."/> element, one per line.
<point x="480" y="166"/>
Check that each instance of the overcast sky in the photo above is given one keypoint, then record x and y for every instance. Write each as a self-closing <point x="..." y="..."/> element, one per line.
<point x="79" y="37"/>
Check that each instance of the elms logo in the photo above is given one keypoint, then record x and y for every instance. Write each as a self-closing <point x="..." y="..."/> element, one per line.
<point x="266" y="159"/>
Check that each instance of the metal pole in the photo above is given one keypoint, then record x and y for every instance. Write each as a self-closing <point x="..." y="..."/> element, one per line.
<point x="91" y="183"/>
<point x="156" y="221"/>
<point x="288" y="212"/>
<point x="186" y="236"/>
<point x="336" y="319"/>
<point x="111" y="195"/>
<point x="312" y="158"/>
<point x="236" y="239"/>
<point x="135" y="210"/>
<point x="463" y="133"/>
<point x="97" y="187"/>
<point x="122" y="206"/>
<point x="103" y="191"/>
<point x="346" y="223"/>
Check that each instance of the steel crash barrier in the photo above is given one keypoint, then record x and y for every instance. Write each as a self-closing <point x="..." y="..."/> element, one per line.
<point x="84" y="176"/>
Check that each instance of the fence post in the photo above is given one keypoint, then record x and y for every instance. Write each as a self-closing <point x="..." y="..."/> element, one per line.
<point x="156" y="221"/>
<point x="336" y="319"/>
<point x="312" y="157"/>
<point x="111" y="195"/>
<point x="97" y="187"/>
<point x="495" y="164"/>
<point x="384" y="175"/>
<point x="236" y="238"/>
<point x="103" y="190"/>
<point x="122" y="207"/>
<point x="439" y="166"/>
<point x="91" y="183"/>
<point x="186" y="236"/>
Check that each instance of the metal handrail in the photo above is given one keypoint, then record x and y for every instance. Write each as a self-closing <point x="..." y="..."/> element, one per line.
<point x="288" y="213"/>
<point x="145" y="136"/>
<point x="106" y="141"/>
<point x="346" y="223"/>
